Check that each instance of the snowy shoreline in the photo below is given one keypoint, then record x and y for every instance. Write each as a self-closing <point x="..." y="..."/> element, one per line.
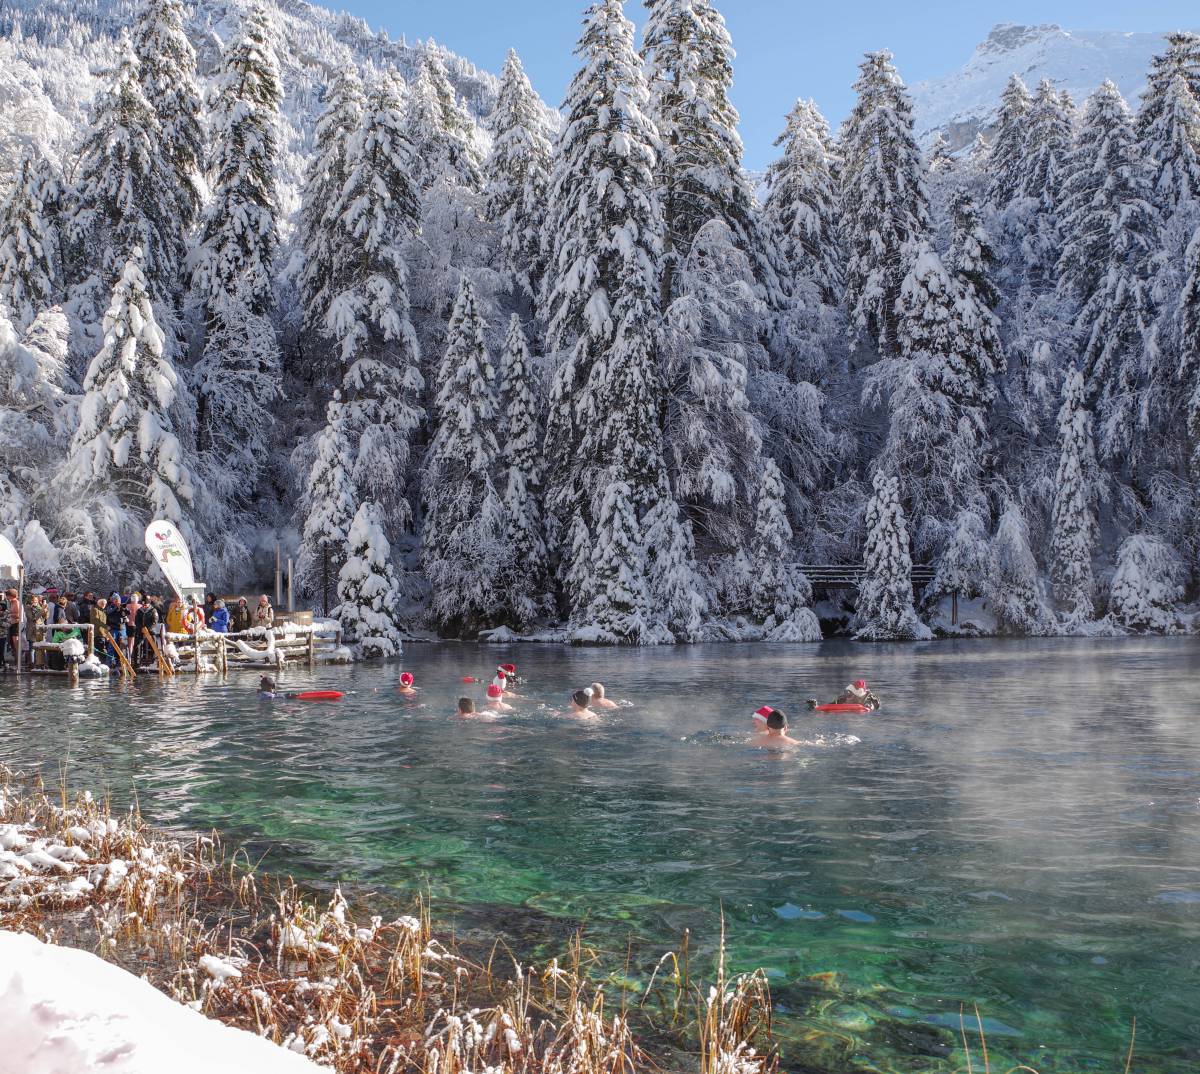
<point x="210" y="952"/>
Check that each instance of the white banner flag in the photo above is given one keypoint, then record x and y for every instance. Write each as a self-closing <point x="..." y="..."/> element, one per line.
<point x="170" y="552"/>
<point x="10" y="562"/>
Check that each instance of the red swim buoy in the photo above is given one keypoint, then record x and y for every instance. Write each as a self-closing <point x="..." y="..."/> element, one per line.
<point x="317" y="695"/>
<point x="850" y="710"/>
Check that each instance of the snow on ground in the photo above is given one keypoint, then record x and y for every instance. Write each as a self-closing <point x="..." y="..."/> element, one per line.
<point x="64" y="1011"/>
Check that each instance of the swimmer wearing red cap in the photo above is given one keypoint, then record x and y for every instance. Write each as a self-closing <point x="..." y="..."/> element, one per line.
<point x="407" y="687"/>
<point x="506" y="678"/>
<point x="856" y="694"/>
<point x="773" y="733"/>
<point x="495" y="700"/>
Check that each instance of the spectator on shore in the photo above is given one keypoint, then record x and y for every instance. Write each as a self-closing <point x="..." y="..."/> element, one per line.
<point x="264" y="614"/>
<point x="86" y="603"/>
<point x="240" y="618"/>
<point x="219" y="620"/>
<point x="99" y="620"/>
<point x="175" y="624"/>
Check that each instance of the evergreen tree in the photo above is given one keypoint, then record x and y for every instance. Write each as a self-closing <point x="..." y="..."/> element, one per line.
<point x="125" y="455"/>
<point x="30" y="241"/>
<point x="1013" y="588"/>
<point x="619" y="611"/>
<point x="328" y="504"/>
<point x="462" y="549"/>
<point x="31" y="426"/>
<point x="1171" y="147"/>
<point x="240" y="231"/>
<point x="803" y="202"/>
<point x="1189" y="350"/>
<point x="237" y="381"/>
<point x="440" y="130"/>
<point x="368" y="315"/>
<point x="1074" y="529"/>
<point x="1146" y="587"/>
<point x="367" y="588"/>
<point x="972" y="259"/>
<point x="885" y="205"/>
<point x="167" y="72"/>
<point x="962" y="566"/>
<point x="518" y="174"/>
<point x="713" y="440"/>
<point x="1047" y="156"/>
<point x="672" y="579"/>
<point x="125" y="196"/>
<point x="689" y="59"/>
<point x="885" y="597"/>
<point x="1181" y="59"/>
<point x="1110" y="230"/>
<point x="601" y="304"/>
<point x="319" y="232"/>
<point x="1009" y="144"/>
<point x="781" y="595"/>
<point x="526" y="556"/>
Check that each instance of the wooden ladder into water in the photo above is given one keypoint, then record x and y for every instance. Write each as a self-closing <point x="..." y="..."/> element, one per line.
<point x="126" y="667"/>
<point x="164" y="665"/>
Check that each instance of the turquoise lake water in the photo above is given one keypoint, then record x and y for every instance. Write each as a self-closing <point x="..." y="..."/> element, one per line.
<point x="1020" y="826"/>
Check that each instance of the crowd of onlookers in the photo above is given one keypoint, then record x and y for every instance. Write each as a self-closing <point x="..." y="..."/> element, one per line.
<point x="53" y="615"/>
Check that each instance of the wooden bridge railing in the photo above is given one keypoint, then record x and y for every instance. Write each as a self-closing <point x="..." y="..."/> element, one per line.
<point x="850" y="577"/>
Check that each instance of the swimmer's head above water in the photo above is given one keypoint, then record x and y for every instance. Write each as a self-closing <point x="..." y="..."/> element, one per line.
<point x="406" y="679"/>
<point x="266" y="684"/>
<point x="580" y="699"/>
<point x="466" y="706"/>
<point x="494" y="692"/>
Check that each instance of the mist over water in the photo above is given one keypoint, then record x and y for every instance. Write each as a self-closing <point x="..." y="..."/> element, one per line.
<point x="1019" y="827"/>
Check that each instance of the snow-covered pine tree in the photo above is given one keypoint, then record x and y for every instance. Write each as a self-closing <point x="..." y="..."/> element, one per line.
<point x="368" y="314"/>
<point x="237" y="382"/>
<point x="31" y="241"/>
<point x="1189" y="351"/>
<point x="328" y="505"/>
<point x="884" y="203"/>
<point x="937" y="393"/>
<point x="440" y="130"/>
<point x="461" y="548"/>
<point x="1171" y="147"/>
<point x="713" y="440"/>
<point x="885" y="609"/>
<point x="1047" y="156"/>
<point x="803" y="202"/>
<point x="1074" y="528"/>
<point x="689" y="61"/>
<point x="518" y="174"/>
<point x="672" y="580"/>
<point x="368" y="592"/>
<point x="240" y="230"/>
<point x="319" y="234"/>
<point x="1012" y="587"/>
<point x="125" y="195"/>
<point x="1180" y="59"/>
<point x="1009" y="144"/>
<point x="781" y="595"/>
<point x="31" y="428"/>
<point x="125" y="457"/>
<point x="167" y="72"/>
<point x="1110" y="231"/>
<point x="601" y="306"/>
<point x="620" y="608"/>
<point x="1147" y="587"/>
<point x="527" y="566"/>
<point x="962" y="566"/>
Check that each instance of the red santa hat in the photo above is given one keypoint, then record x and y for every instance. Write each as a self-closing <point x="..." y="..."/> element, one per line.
<point x="406" y="679"/>
<point x="495" y="692"/>
<point x="764" y="713"/>
<point x="860" y="684"/>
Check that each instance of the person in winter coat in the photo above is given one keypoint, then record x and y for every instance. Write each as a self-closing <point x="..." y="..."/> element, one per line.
<point x="99" y="620"/>
<point x="264" y="614"/>
<point x="219" y="623"/>
<point x="240" y="619"/>
<point x="117" y="618"/>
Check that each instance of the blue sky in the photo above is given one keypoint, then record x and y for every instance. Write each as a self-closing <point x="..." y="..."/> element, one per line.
<point x="786" y="48"/>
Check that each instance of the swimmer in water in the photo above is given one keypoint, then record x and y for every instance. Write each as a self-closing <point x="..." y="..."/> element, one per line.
<point x="495" y="701"/>
<point x="266" y="688"/>
<point x="775" y="736"/>
<point x="855" y="694"/>
<point x="466" y="707"/>
<point x="580" y="700"/>
<point x="599" y="701"/>
<point x="406" y="688"/>
<point x="506" y="678"/>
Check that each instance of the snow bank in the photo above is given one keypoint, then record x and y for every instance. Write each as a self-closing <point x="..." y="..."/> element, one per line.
<point x="68" y="1012"/>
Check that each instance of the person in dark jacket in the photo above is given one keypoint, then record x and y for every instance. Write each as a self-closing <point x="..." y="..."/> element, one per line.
<point x="240" y="618"/>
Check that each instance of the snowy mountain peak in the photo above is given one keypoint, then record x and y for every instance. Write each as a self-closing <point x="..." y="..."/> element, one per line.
<point x="962" y="104"/>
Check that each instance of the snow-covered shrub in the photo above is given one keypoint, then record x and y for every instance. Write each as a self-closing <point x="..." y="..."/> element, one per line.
<point x="1146" y="587"/>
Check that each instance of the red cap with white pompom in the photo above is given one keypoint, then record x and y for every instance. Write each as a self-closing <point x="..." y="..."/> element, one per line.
<point x="495" y="692"/>
<point x="764" y="713"/>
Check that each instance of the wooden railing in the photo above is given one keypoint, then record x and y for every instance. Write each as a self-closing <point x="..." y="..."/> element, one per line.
<point x="850" y="577"/>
